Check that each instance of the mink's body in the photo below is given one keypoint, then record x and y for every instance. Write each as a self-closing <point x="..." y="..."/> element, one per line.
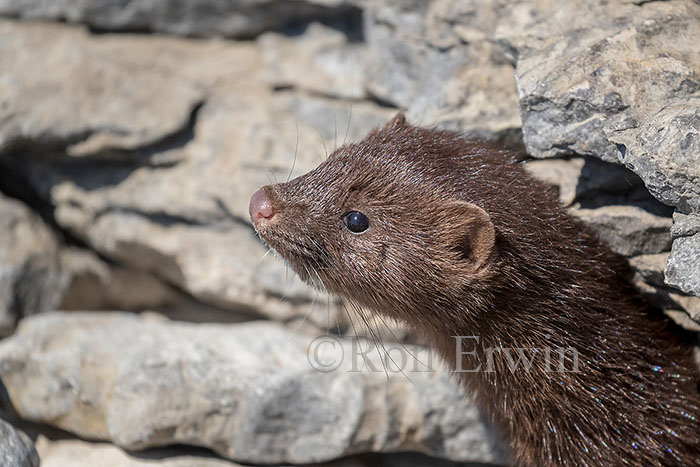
<point x="456" y="239"/>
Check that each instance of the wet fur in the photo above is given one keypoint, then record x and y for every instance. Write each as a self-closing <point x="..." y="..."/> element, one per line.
<point x="547" y="282"/>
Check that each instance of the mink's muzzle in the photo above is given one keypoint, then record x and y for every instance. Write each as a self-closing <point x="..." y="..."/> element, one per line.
<point x="279" y="227"/>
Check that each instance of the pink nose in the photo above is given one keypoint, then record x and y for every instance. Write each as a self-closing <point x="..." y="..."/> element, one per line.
<point x="260" y="207"/>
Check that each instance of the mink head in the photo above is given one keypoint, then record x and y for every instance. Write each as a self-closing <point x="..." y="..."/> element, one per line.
<point x="387" y="222"/>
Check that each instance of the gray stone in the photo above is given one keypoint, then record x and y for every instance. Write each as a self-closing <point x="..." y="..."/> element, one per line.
<point x="240" y="18"/>
<point x="248" y="391"/>
<point x="629" y="230"/>
<point x="30" y="276"/>
<point x="683" y="269"/>
<point x="73" y="107"/>
<point x="584" y="178"/>
<point x="561" y="173"/>
<point x="77" y="453"/>
<point x="96" y="285"/>
<point x="158" y="179"/>
<point x="16" y="449"/>
<point x="649" y="279"/>
<point x="651" y="267"/>
<point x="323" y="60"/>
<point x="615" y="82"/>
<point x="567" y="108"/>
<point x="665" y="151"/>
<point x="417" y="61"/>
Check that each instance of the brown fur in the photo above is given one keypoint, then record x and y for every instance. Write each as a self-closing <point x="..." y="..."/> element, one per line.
<point x="462" y="241"/>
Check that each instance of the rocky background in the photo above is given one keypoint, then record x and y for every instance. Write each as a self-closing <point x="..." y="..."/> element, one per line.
<point x="132" y="134"/>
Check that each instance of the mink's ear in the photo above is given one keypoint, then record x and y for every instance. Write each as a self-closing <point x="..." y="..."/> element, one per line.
<point x="399" y="121"/>
<point x="468" y="231"/>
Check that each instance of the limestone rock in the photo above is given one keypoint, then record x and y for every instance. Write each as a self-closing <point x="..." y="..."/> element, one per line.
<point x="613" y="74"/>
<point x="323" y="60"/>
<point x="584" y="178"/>
<point x="30" y="276"/>
<point x="665" y="150"/>
<point x="16" y="449"/>
<point x="616" y="83"/>
<point x="561" y="173"/>
<point x="73" y="107"/>
<point x="97" y="285"/>
<point x="416" y="61"/>
<point x="76" y="453"/>
<point x="651" y="267"/>
<point x="629" y="230"/>
<point x="682" y="308"/>
<point x="152" y="165"/>
<point x="683" y="269"/>
<point x="239" y="18"/>
<point x="248" y="391"/>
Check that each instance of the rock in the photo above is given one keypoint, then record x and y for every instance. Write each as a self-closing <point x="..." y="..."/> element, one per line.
<point x="612" y="74"/>
<point x="61" y="109"/>
<point x="97" y="285"/>
<point x="665" y="150"/>
<point x="241" y="19"/>
<point x="417" y="62"/>
<point x="611" y="200"/>
<point x="629" y="230"/>
<point x="583" y="177"/>
<point x="686" y="318"/>
<point x="16" y="449"/>
<point x="615" y="82"/>
<point x="651" y="267"/>
<point x="683" y="269"/>
<point x="30" y="277"/>
<point x="247" y="391"/>
<point x="683" y="309"/>
<point x="158" y="179"/>
<point x="323" y="60"/>
<point x="77" y="453"/>
<point x="561" y="173"/>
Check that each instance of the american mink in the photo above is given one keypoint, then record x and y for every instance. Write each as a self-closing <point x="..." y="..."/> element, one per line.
<point x="456" y="239"/>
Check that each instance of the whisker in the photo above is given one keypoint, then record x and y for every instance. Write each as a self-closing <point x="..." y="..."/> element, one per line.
<point x="269" y="175"/>
<point x="381" y="343"/>
<point x="352" y="96"/>
<point x="388" y="328"/>
<point x="335" y="131"/>
<point x="374" y="337"/>
<point x="323" y="141"/>
<point x="354" y="330"/>
<point x="296" y="148"/>
<point x="308" y="313"/>
<point x="266" y="253"/>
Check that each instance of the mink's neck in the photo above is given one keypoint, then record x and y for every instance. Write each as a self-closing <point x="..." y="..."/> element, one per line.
<point x="584" y="374"/>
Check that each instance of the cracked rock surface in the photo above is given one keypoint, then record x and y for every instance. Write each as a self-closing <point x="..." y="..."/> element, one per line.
<point x="617" y="83"/>
<point x="246" y="391"/>
<point x="16" y="449"/>
<point x="242" y="19"/>
<point x="159" y="179"/>
<point x="30" y="275"/>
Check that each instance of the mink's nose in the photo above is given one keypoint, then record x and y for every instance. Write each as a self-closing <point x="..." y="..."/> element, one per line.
<point x="260" y="207"/>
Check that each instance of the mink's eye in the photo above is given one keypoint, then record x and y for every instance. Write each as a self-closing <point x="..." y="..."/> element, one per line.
<point x="356" y="222"/>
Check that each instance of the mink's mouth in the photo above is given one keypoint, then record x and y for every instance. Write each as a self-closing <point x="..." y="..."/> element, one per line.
<point x="309" y="259"/>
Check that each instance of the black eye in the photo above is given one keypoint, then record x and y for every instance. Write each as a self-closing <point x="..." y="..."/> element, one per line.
<point x="356" y="222"/>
